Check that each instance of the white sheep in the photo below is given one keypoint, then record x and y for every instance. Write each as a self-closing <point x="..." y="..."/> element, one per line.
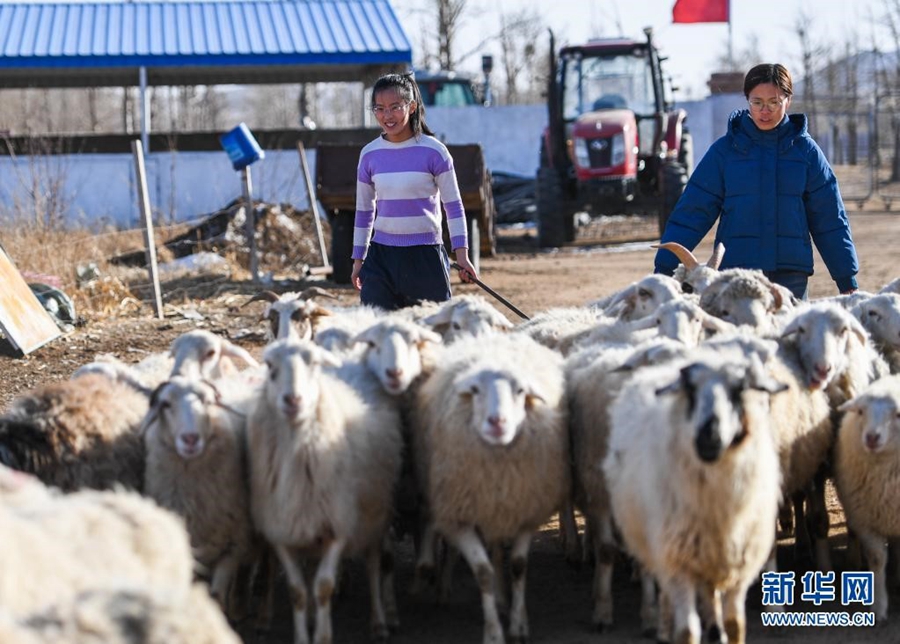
<point x="77" y="433"/>
<point x="693" y="276"/>
<point x="834" y="351"/>
<point x="880" y="315"/>
<point x="287" y="314"/>
<point x="694" y="483"/>
<point x="640" y="298"/>
<point x="57" y="545"/>
<point x="550" y="327"/>
<point x="891" y="287"/>
<point x="867" y="475"/>
<point x="491" y="439"/>
<point x="324" y="457"/>
<point x="465" y="315"/>
<point x="745" y="297"/>
<point x="397" y="352"/>
<point x="196" y="467"/>
<point x="124" y="614"/>
<point x="199" y="353"/>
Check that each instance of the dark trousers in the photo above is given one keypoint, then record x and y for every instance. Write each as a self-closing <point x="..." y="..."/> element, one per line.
<point x="397" y="276"/>
<point x="797" y="282"/>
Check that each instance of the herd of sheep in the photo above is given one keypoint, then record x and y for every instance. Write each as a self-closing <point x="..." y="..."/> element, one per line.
<point x="684" y="418"/>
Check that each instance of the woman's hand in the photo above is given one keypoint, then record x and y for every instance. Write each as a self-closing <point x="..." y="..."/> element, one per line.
<point x="354" y="276"/>
<point x="468" y="271"/>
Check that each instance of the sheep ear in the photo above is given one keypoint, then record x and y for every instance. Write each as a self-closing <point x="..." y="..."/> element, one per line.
<point x="712" y="323"/>
<point x="792" y="328"/>
<point x="759" y="379"/>
<point x="153" y="412"/>
<point x="673" y="387"/>
<point x="466" y="385"/>
<point x="443" y="316"/>
<point x="238" y="353"/>
<point x="364" y="336"/>
<point x="325" y="357"/>
<point x="427" y="335"/>
<point x="857" y="328"/>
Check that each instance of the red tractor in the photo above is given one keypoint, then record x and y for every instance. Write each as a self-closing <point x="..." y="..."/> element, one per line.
<point x="613" y="144"/>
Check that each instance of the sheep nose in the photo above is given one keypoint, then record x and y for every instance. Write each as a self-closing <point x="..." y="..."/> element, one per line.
<point x="496" y="423"/>
<point x="708" y="442"/>
<point x="822" y="372"/>
<point x="291" y="400"/>
<point x="872" y="441"/>
<point x="394" y="374"/>
<point x="190" y="440"/>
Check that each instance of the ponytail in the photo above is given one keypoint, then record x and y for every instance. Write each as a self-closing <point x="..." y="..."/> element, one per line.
<point x="408" y="90"/>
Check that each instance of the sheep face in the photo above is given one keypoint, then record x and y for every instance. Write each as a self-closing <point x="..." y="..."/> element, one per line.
<point x="878" y="421"/>
<point x="465" y="318"/>
<point x="393" y="353"/>
<point x="880" y="315"/>
<point x="643" y="297"/>
<point x="824" y="335"/>
<point x="184" y="413"/>
<point x="295" y="319"/>
<point x="685" y="322"/>
<point x="713" y="398"/>
<point x="500" y="402"/>
<point x="293" y="385"/>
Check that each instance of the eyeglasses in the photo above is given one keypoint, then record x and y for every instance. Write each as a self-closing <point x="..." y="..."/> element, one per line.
<point x="756" y="104"/>
<point x="393" y="109"/>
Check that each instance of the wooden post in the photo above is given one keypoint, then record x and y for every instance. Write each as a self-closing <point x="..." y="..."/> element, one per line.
<point x="250" y="213"/>
<point x="137" y="150"/>
<point x="313" y="205"/>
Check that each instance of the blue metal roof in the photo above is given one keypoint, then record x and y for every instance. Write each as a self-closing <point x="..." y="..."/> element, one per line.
<point x="63" y="40"/>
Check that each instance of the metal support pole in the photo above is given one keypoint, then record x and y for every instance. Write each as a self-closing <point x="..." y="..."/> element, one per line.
<point x="145" y="110"/>
<point x="313" y="205"/>
<point x="137" y="151"/>
<point x="250" y="228"/>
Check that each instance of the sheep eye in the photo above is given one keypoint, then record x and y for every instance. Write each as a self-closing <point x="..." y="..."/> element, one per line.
<point x="209" y="354"/>
<point x="801" y="330"/>
<point x="844" y="331"/>
<point x="724" y="313"/>
<point x="297" y="315"/>
<point x="474" y="389"/>
<point x="273" y="373"/>
<point x="873" y="314"/>
<point x="686" y="288"/>
<point x="644" y="293"/>
<point x="164" y="405"/>
<point x="457" y="326"/>
<point x="658" y="321"/>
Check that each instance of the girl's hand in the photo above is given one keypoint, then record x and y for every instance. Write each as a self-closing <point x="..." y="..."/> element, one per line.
<point x="354" y="276"/>
<point x="468" y="271"/>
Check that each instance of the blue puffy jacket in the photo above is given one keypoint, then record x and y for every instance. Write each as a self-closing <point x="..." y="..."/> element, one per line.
<point x="772" y="190"/>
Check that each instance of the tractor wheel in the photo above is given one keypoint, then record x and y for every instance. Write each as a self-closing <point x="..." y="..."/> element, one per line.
<point x="673" y="179"/>
<point x="341" y="246"/>
<point x="555" y="224"/>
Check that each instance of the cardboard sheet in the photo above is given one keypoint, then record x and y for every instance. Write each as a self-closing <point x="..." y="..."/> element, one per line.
<point x="22" y="318"/>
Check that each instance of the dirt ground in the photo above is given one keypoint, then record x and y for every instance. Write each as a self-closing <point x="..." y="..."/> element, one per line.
<point x="559" y="597"/>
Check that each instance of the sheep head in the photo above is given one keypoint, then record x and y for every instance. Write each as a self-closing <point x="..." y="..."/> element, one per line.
<point x="693" y="276"/>
<point x="394" y="352"/>
<point x="500" y="402"/>
<point x="293" y="385"/>
<point x="201" y="354"/>
<point x="875" y="415"/>
<point x="824" y="335"/>
<point x="643" y="297"/>
<point x="712" y="396"/>
<point x="467" y="317"/>
<point x="184" y="415"/>
<point x="880" y="315"/>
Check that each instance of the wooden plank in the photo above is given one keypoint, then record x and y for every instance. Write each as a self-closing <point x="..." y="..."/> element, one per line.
<point x="313" y="205"/>
<point x="22" y="318"/>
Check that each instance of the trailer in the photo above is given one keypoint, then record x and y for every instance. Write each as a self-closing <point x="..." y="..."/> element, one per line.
<point x="336" y="166"/>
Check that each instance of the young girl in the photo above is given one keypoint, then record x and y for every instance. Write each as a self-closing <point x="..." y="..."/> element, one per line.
<point x="400" y="176"/>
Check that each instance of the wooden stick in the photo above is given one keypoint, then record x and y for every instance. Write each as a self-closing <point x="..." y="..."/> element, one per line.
<point x="137" y="151"/>
<point x="313" y="205"/>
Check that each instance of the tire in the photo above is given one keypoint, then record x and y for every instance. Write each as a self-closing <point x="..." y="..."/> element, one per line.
<point x="555" y="224"/>
<point x="686" y="153"/>
<point x="341" y="246"/>
<point x="673" y="179"/>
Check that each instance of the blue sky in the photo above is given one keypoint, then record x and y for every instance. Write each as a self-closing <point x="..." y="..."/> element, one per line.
<point x="692" y="49"/>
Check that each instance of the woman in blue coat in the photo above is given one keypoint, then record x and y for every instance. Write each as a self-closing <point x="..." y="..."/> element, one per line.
<point x="773" y="192"/>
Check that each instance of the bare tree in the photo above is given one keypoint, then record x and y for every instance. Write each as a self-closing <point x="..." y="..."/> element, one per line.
<point x="449" y="16"/>
<point x="519" y="32"/>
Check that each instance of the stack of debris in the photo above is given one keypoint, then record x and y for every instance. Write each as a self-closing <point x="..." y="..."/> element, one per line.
<point x="286" y="238"/>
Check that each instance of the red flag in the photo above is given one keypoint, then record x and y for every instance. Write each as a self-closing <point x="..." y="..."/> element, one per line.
<point x="700" y="11"/>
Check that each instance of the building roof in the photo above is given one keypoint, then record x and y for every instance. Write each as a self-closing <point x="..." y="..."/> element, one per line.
<point x="91" y="44"/>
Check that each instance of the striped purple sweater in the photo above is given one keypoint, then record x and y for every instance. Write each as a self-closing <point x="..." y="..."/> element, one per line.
<point x="405" y="180"/>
